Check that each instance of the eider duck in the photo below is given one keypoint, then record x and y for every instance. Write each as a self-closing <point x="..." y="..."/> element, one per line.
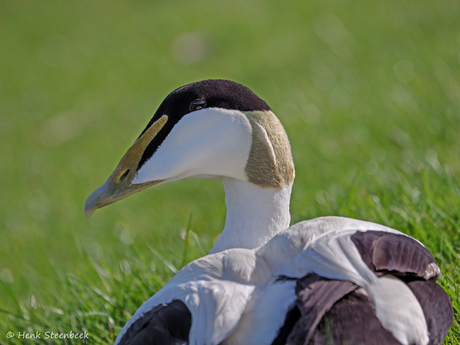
<point x="327" y="280"/>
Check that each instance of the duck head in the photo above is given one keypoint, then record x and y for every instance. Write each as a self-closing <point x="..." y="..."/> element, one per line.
<point x="207" y="129"/>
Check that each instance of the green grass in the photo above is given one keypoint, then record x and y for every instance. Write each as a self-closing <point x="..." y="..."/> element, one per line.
<point x="369" y="93"/>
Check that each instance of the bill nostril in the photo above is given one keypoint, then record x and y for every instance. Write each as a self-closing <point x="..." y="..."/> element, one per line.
<point x="122" y="177"/>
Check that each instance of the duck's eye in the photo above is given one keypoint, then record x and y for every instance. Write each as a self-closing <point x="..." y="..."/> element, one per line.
<point x="197" y="104"/>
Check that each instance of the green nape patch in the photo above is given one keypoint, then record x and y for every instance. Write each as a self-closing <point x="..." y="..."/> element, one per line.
<point x="368" y="93"/>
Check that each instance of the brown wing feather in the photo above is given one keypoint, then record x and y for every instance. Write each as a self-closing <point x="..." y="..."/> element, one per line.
<point x="316" y="295"/>
<point x="332" y="311"/>
<point x="398" y="254"/>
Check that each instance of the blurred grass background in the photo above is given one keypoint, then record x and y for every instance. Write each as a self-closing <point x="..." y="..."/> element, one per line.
<point x="368" y="91"/>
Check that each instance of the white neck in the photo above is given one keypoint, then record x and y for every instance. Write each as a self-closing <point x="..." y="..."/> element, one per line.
<point x="254" y="214"/>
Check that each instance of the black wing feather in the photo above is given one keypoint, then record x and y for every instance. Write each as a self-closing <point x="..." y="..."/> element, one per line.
<point x="436" y="306"/>
<point x="163" y="325"/>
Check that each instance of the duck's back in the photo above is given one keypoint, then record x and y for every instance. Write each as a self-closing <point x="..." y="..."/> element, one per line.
<point x="327" y="280"/>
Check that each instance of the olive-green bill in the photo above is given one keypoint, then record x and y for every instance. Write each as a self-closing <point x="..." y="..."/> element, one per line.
<point x="119" y="185"/>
